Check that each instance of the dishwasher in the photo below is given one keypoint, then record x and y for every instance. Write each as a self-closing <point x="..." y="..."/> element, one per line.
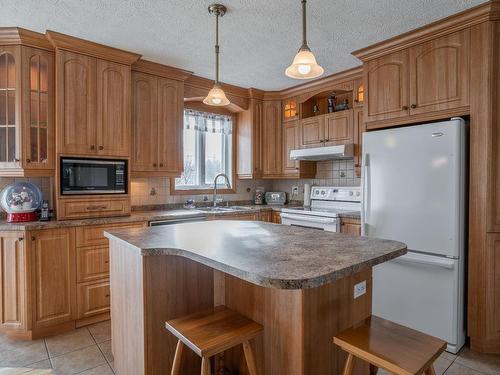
<point x="191" y="219"/>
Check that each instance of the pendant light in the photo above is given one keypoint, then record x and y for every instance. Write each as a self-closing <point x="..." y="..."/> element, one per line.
<point x="216" y="96"/>
<point x="304" y="65"/>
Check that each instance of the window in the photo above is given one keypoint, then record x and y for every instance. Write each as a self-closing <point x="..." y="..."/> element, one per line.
<point x="208" y="146"/>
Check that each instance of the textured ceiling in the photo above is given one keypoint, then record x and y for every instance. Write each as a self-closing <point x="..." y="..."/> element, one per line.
<point x="258" y="37"/>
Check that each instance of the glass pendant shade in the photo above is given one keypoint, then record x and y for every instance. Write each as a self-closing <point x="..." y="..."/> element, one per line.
<point x="216" y="97"/>
<point x="304" y="66"/>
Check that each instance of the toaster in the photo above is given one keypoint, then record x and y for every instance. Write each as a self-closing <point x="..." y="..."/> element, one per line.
<point x="275" y="197"/>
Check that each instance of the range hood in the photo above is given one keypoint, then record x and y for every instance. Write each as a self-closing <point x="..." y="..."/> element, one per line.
<point x="323" y="153"/>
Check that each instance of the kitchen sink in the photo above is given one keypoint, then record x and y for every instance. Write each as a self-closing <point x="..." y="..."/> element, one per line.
<point x="224" y="209"/>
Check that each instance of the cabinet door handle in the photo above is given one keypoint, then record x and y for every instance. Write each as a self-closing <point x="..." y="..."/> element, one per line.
<point x="16" y="160"/>
<point x="161" y="164"/>
<point x="28" y="160"/>
<point x="413" y="106"/>
<point x="96" y="207"/>
<point x="33" y="238"/>
<point x="405" y="108"/>
<point x="106" y="261"/>
<point x="101" y="147"/>
<point x="92" y="147"/>
<point x="20" y="239"/>
<point x="154" y="164"/>
<point x="107" y="295"/>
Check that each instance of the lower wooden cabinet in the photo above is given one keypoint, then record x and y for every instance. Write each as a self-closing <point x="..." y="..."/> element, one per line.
<point x="52" y="254"/>
<point x="350" y="226"/>
<point x="13" y="281"/>
<point x="252" y="216"/>
<point x="276" y="217"/>
<point x="93" y="298"/>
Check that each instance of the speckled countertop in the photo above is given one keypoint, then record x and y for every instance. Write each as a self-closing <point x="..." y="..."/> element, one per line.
<point x="270" y="255"/>
<point x="136" y="216"/>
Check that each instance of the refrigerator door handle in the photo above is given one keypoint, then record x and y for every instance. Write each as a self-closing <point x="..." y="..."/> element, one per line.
<point x="364" y="200"/>
<point x="427" y="260"/>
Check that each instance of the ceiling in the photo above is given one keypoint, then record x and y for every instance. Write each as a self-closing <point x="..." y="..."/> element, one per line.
<point x="258" y="37"/>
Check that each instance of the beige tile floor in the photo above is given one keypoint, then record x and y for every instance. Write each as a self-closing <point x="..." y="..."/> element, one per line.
<point x="87" y="351"/>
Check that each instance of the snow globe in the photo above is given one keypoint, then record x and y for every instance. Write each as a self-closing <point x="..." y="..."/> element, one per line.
<point x="20" y="200"/>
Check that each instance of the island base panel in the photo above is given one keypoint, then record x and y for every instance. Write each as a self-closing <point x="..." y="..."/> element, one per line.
<point x="299" y="325"/>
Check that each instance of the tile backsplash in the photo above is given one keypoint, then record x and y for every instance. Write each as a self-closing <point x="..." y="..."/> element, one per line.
<point x="44" y="183"/>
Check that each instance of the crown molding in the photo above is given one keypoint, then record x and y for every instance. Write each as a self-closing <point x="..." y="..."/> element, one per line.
<point x="20" y="36"/>
<point x="166" y="71"/>
<point x="85" y="47"/>
<point x="479" y="14"/>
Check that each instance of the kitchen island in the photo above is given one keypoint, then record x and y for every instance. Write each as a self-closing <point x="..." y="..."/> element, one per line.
<point x="298" y="283"/>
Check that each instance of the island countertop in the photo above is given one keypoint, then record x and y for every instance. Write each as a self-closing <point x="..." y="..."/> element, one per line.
<point x="270" y="255"/>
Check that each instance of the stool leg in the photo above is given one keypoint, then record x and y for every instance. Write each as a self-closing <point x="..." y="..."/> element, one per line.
<point x="430" y="370"/>
<point x="205" y="366"/>
<point x="176" y="366"/>
<point x="247" y="349"/>
<point x="348" y="365"/>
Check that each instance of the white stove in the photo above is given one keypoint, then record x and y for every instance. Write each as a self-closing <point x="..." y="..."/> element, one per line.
<point x="327" y="203"/>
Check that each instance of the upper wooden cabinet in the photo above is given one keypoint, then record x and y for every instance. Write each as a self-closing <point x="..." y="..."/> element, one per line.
<point x="249" y="141"/>
<point x="291" y="141"/>
<point x="26" y="105"/>
<point x="387" y="86"/>
<point x="93" y="102"/>
<point x="440" y="73"/>
<point x="271" y="139"/>
<point x="420" y="80"/>
<point x="157" y="125"/>
<point x="327" y="130"/>
<point x="290" y="109"/>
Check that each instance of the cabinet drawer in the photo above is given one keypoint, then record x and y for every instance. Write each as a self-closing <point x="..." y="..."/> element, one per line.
<point x="94" y="235"/>
<point x="88" y="208"/>
<point x="92" y="263"/>
<point x="93" y="298"/>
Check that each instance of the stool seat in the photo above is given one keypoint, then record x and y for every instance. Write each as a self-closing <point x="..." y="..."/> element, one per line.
<point x="395" y="348"/>
<point x="212" y="332"/>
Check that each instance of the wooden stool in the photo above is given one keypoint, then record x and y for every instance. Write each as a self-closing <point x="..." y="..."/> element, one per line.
<point x="397" y="349"/>
<point x="211" y="332"/>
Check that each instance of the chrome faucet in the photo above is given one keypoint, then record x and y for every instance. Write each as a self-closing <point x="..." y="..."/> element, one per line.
<point x="228" y="184"/>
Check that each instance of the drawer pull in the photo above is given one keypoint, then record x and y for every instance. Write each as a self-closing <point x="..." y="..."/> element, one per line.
<point x="93" y="208"/>
<point x="107" y="295"/>
<point x="106" y="261"/>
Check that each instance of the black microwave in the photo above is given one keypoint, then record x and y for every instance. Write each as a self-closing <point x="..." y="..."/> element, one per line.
<point x="93" y="176"/>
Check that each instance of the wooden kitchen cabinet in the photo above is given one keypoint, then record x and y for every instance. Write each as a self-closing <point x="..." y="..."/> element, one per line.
<point x="420" y="80"/>
<point x="312" y="131"/>
<point x="113" y="109"/>
<point x="350" y="226"/>
<point x="53" y="257"/>
<point x="249" y="141"/>
<point x="290" y="109"/>
<point x="93" y="298"/>
<point x="76" y="104"/>
<point x="271" y="139"/>
<point x="92" y="263"/>
<point x="93" y="97"/>
<point x="291" y="141"/>
<point x="339" y="128"/>
<point x="90" y="207"/>
<point x="359" y="93"/>
<point x="26" y="105"/>
<point x="276" y="217"/>
<point x="14" y="281"/>
<point x="440" y="73"/>
<point x="387" y="86"/>
<point x="157" y="125"/>
<point x="359" y="129"/>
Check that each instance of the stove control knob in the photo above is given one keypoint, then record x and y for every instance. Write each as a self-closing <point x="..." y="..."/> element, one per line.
<point x="323" y="192"/>
<point x="358" y="193"/>
<point x="351" y="193"/>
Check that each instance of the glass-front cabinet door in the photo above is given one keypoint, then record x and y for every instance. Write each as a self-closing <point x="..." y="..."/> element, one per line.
<point x="26" y="111"/>
<point x="9" y="107"/>
<point x="38" y="124"/>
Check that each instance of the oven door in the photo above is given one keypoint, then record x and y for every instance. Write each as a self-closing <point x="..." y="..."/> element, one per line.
<point x="329" y="224"/>
<point x="93" y="176"/>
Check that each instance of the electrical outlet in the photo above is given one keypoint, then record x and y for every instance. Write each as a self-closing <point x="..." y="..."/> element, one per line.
<point x="295" y="191"/>
<point x="359" y="289"/>
<point x="152" y="191"/>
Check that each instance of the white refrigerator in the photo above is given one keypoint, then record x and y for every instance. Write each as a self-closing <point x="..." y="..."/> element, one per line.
<point x="414" y="183"/>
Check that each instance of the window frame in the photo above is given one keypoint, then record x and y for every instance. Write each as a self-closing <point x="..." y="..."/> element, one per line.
<point x="209" y="189"/>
